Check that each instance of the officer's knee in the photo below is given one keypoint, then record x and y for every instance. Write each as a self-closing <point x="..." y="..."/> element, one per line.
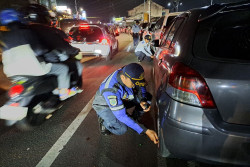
<point x="121" y="130"/>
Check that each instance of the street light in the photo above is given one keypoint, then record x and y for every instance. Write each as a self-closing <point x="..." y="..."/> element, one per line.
<point x="176" y="4"/>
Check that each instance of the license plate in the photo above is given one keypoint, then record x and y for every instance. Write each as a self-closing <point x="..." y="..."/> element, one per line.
<point x="13" y="113"/>
<point x="85" y="47"/>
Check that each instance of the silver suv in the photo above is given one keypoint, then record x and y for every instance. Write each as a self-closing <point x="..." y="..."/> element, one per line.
<point x="202" y="85"/>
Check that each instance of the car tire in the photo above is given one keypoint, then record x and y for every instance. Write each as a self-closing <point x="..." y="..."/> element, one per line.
<point x="109" y="57"/>
<point x="116" y="50"/>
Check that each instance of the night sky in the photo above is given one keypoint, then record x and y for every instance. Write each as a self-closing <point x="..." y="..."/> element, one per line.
<point x="118" y="8"/>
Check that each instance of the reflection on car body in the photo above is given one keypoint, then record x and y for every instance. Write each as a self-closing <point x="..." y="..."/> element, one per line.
<point x="201" y="73"/>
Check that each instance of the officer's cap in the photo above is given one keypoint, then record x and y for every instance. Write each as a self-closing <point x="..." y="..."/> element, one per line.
<point x="148" y="37"/>
<point x="135" y="72"/>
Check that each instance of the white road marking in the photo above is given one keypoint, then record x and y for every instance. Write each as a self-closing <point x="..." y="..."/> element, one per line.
<point x="128" y="48"/>
<point x="55" y="150"/>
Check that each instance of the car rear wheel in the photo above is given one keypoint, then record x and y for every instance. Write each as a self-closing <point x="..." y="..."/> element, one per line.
<point x="116" y="50"/>
<point x="109" y="57"/>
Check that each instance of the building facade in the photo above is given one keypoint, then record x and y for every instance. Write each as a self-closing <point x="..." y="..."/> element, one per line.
<point x="148" y="9"/>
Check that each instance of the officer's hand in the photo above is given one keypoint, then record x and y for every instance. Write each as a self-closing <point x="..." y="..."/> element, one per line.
<point x="153" y="136"/>
<point x="145" y="106"/>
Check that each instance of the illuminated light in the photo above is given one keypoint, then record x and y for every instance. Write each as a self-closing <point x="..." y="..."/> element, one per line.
<point x="14" y="104"/>
<point x="69" y="11"/>
<point x="98" y="51"/>
<point x="189" y="86"/>
<point x="104" y="41"/>
<point x="61" y="8"/>
<point x="84" y="26"/>
<point x="16" y="91"/>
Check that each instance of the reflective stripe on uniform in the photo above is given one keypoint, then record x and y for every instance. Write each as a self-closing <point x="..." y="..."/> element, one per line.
<point x="117" y="108"/>
<point x="108" y="81"/>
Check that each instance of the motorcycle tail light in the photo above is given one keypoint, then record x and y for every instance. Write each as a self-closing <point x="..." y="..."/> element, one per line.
<point x="16" y="91"/>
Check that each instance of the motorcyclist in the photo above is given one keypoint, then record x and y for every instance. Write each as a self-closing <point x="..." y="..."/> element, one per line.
<point x="40" y="21"/>
<point x="20" y="53"/>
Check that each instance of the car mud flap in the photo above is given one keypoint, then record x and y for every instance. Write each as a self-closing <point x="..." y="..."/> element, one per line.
<point x="162" y="150"/>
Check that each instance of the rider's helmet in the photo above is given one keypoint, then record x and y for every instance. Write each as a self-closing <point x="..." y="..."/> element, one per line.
<point x="35" y="13"/>
<point x="148" y="37"/>
<point x="8" y="16"/>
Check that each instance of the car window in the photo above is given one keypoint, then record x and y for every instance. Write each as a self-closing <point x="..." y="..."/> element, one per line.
<point x="88" y="34"/>
<point x="169" y="20"/>
<point x="159" y="23"/>
<point x="225" y="37"/>
<point x="170" y="33"/>
<point x="108" y="31"/>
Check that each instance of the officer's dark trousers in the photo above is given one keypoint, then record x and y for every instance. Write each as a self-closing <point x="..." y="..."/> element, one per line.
<point x="112" y="123"/>
<point x="141" y="56"/>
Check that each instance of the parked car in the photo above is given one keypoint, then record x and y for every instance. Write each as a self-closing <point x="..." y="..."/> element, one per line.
<point x="202" y="85"/>
<point x="162" y="24"/>
<point x="94" y="39"/>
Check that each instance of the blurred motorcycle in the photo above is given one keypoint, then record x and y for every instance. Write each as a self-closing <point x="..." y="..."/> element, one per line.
<point x="32" y="100"/>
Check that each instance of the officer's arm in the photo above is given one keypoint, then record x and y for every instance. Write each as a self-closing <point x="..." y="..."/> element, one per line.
<point x="142" y="93"/>
<point x="145" y="51"/>
<point x="116" y="105"/>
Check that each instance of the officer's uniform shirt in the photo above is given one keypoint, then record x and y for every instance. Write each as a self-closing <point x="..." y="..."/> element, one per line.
<point x="111" y="94"/>
<point x="136" y="28"/>
<point x="144" y="48"/>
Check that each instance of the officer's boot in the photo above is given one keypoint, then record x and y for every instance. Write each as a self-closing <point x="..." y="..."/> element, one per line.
<point x="103" y="129"/>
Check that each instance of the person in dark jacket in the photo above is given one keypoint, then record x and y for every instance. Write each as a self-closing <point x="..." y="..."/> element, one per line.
<point x="20" y="51"/>
<point x="60" y="50"/>
<point x="121" y="90"/>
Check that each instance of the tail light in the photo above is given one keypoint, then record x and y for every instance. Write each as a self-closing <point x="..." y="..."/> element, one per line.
<point x="104" y="41"/>
<point x="83" y="26"/>
<point x="16" y="91"/>
<point x="188" y="86"/>
<point x="69" y="39"/>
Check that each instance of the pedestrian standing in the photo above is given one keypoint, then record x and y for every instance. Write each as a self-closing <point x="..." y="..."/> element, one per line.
<point x="121" y="90"/>
<point x="136" y="29"/>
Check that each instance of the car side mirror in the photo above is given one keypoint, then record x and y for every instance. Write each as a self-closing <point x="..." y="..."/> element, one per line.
<point x="155" y="43"/>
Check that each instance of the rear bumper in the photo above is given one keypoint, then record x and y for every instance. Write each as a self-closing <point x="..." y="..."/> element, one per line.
<point x="93" y="49"/>
<point x="189" y="134"/>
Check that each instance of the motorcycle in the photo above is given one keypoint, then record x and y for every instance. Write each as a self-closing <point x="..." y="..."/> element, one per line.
<point x="32" y="100"/>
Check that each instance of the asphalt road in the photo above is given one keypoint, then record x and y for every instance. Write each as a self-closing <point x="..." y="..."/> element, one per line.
<point x="71" y="138"/>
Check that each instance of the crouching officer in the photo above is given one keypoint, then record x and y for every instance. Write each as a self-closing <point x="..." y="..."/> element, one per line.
<point x="119" y="91"/>
<point x="143" y="50"/>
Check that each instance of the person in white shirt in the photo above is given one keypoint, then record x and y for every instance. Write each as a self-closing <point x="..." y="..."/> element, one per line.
<point x="143" y="50"/>
<point x="136" y="29"/>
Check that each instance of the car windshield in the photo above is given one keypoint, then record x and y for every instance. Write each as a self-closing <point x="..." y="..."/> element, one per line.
<point x="86" y="34"/>
<point x="227" y="36"/>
